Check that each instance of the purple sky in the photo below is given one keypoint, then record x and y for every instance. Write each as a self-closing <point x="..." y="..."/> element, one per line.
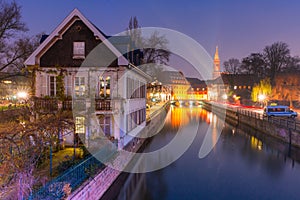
<point x="237" y="27"/>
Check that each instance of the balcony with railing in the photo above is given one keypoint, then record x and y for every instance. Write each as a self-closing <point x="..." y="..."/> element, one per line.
<point x="48" y="105"/>
<point x="45" y="104"/>
<point x="103" y="105"/>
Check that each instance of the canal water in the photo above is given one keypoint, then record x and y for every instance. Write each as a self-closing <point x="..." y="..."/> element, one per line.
<point x="243" y="164"/>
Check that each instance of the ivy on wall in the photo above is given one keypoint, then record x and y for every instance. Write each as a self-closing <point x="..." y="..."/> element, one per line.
<point x="60" y="85"/>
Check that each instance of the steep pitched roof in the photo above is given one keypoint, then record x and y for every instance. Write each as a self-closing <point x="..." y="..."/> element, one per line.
<point x="194" y="80"/>
<point x="196" y="83"/>
<point x="172" y="77"/>
<point x="236" y="79"/>
<point x="34" y="58"/>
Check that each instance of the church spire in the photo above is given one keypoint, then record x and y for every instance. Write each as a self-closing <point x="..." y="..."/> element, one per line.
<point x="217" y="54"/>
<point x="217" y="71"/>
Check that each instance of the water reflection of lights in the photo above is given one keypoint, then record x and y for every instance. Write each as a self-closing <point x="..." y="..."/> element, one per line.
<point x="256" y="143"/>
<point x="209" y="118"/>
<point x="214" y="121"/>
<point x="181" y="115"/>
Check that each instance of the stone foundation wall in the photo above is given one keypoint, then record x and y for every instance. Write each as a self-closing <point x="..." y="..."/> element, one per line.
<point x="234" y="118"/>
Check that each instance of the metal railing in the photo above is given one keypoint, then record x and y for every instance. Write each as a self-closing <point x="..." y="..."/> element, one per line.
<point x="281" y="121"/>
<point x="52" y="104"/>
<point x="45" y="105"/>
<point x="67" y="104"/>
<point x="288" y="123"/>
<point x="103" y="105"/>
<point x="74" y="176"/>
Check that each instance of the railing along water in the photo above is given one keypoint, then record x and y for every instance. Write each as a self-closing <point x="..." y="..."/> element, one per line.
<point x="74" y="176"/>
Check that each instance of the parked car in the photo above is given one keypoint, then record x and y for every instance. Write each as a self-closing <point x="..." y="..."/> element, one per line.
<point x="279" y="111"/>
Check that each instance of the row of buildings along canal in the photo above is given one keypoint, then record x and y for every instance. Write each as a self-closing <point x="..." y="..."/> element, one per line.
<point x="115" y="86"/>
<point x="106" y="90"/>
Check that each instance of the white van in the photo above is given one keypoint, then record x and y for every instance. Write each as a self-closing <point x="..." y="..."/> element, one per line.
<point x="279" y="111"/>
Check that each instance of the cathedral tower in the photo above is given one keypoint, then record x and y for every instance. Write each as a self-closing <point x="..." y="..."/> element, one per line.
<point x="217" y="71"/>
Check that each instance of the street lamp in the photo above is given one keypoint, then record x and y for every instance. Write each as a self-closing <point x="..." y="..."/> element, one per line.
<point x="261" y="98"/>
<point x="22" y="95"/>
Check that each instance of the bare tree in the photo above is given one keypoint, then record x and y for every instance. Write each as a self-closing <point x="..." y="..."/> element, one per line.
<point x="292" y="65"/>
<point x="134" y="31"/>
<point x="21" y="149"/>
<point x="277" y="57"/>
<point x="15" y="47"/>
<point x="254" y="64"/>
<point x="23" y="146"/>
<point x="232" y="66"/>
<point x="157" y="54"/>
<point x="10" y="21"/>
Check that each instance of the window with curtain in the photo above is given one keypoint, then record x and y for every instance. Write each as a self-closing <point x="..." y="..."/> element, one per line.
<point x="78" y="50"/>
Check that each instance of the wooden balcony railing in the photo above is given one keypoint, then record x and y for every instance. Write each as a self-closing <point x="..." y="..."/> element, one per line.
<point x="53" y="105"/>
<point x="67" y="104"/>
<point x="103" y="105"/>
<point x="45" y="105"/>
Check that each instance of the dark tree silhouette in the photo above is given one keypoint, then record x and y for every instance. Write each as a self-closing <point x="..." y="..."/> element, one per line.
<point x="14" y="46"/>
<point x="277" y="57"/>
<point x="254" y="64"/>
<point x="157" y="54"/>
<point x="232" y="66"/>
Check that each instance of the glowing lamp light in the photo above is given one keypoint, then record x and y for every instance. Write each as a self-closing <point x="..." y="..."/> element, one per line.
<point x="22" y="95"/>
<point x="261" y="97"/>
<point x="225" y="96"/>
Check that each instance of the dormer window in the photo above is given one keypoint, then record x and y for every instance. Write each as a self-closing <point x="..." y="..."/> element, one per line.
<point x="78" y="50"/>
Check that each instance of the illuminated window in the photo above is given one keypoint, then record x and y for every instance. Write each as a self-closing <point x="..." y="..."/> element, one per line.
<point x="235" y="87"/>
<point x="79" y="86"/>
<point x="107" y="86"/>
<point x="101" y="86"/>
<point x="78" y="50"/>
<point x="79" y="125"/>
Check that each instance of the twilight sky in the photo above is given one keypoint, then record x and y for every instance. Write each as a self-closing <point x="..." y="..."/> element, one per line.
<point x="237" y="27"/>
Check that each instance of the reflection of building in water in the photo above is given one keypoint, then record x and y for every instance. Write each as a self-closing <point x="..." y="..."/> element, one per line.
<point x="256" y="143"/>
<point x="214" y="133"/>
<point x="181" y="116"/>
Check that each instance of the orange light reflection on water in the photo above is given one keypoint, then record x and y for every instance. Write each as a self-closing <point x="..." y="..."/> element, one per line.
<point x="181" y="116"/>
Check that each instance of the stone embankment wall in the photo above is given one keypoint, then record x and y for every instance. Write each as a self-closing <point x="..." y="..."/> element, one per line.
<point x="283" y="132"/>
<point x="95" y="188"/>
